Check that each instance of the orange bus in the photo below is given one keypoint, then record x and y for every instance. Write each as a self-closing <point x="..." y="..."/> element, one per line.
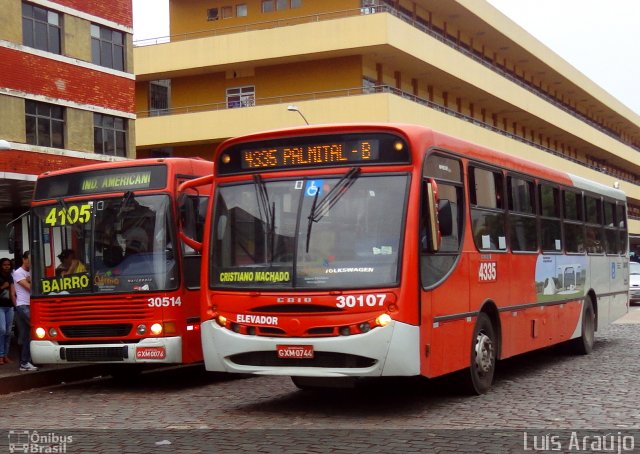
<point x="393" y="250"/>
<point x="111" y="283"/>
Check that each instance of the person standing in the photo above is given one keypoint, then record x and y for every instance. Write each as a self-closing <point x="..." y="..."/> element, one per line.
<point x="6" y="309"/>
<point x="22" y="284"/>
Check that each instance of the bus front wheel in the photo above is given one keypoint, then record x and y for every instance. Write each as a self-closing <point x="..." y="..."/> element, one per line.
<point x="483" y="356"/>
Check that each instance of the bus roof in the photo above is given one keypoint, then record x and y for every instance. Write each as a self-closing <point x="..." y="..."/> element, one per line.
<point x="196" y="164"/>
<point x="437" y="139"/>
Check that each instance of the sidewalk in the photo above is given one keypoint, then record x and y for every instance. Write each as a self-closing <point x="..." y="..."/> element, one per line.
<point x="13" y="380"/>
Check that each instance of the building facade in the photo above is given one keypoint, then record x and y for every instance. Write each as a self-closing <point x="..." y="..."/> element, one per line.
<point x="459" y="66"/>
<point x="66" y="91"/>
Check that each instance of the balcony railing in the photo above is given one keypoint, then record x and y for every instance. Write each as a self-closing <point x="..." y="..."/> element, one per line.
<point x="288" y="99"/>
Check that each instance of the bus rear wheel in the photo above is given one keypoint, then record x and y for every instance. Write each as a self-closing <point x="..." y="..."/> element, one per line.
<point x="583" y="345"/>
<point x="483" y="356"/>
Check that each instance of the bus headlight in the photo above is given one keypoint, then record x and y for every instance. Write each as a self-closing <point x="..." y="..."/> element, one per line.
<point x="141" y="329"/>
<point x="40" y="333"/>
<point x="383" y="320"/>
<point x="53" y="332"/>
<point x="156" y="329"/>
<point x="222" y="320"/>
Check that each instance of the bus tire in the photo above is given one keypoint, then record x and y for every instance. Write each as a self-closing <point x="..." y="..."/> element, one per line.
<point x="483" y="356"/>
<point x="583" y="345"/>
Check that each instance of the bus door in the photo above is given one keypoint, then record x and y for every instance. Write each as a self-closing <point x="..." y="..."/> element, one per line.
<point x="192" y="210"/>
<point x="444" y="271"/>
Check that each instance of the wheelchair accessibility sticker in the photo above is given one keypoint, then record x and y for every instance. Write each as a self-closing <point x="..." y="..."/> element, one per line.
<point x="313" y="188"/>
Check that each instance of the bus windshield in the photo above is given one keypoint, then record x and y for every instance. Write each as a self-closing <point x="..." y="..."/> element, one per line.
<point x="103" y="245"/>
<point x="340" y="231"/>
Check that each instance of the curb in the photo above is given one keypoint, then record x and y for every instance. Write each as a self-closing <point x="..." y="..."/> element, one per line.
<point x="50" y="376"/>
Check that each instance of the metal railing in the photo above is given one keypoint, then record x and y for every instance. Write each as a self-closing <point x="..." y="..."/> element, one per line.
<point x="331" y="94"/>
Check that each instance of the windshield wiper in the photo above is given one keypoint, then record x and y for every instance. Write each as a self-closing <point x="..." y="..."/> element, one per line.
<point x="321" y="208"/>
<point x="269" y="211"/>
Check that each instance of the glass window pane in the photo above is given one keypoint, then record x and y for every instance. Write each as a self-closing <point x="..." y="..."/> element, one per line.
<point x="572" y="206"/>
<point x="296" y="3"/>
<point x="27" y="32"/>
<point x="97" y="140"/>
<point x="105" y="34"/>
<point x="54" y="40"/>
<point x="109" y="141"/>
<point x="121" y="144"/>
<point x="57" y="112"/>
<point x="593" y="210"/>
<point x="95" y="31"/>
<point x="106" y="58"/>
<point x="549" y="201"/>
<point x="32" y="138"/>
<point x="521" y="195"/>
<point x="117" y="37"/>
<point x="97" y="119"/>
<point x="574" y="237"/>
<point x="44" y="110"/>
<point x="551" y="235"/>
<point x="488" y="229"/>
<point x="40" y="14"/>
<point x="523" y="233"/>
<point x="57" y="134"/>
<point x="118" y="58"/>
<point x="107" y="121"/>
<point x="30" y="107"/>
<point x="95" y="51"/>
<point x="267" y="6"/>
<point x="281" y="4"/>
<point x="27" y="10"/>
<point x="41" y="36"/>
<point x="44" y="132"/>
<point x="53" y="18"/>
<point x="241" y="10"/>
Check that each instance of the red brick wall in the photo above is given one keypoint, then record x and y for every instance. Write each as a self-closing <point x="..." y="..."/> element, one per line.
<point x="42" y="76"/>
<point x="118" y="11"/>
<point x="33" y="163"/>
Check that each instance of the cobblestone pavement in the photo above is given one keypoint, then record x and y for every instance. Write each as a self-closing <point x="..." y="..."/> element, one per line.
<point x="189" y="410"/>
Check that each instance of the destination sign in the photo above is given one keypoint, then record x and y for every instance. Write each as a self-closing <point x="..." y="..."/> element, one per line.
<point x="313" y="151"/>
<point x="117" y="179"/>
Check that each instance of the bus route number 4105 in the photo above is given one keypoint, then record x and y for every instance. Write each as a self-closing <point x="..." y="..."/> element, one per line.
<point x="370" y="300"/>
<point x="165" y="301"/>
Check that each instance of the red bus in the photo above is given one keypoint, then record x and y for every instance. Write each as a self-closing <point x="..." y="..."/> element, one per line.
<point x="111" y="282"/>
<point x="393" y="250"/>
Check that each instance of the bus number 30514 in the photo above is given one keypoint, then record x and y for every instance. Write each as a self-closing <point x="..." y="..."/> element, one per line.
<point x="370" y="300"/>
<point x="165" y="301"/>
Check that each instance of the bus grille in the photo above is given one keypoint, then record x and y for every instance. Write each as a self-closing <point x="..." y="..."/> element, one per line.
<point x="321" y="359"/>
<point x="89" y="354"/>
<point x="76" y="331"/>
<point x="97" y="311"/>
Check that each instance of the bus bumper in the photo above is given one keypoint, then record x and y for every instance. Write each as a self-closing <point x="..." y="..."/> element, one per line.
<point x="393" y="350"/>
<point x="159" y="350"/>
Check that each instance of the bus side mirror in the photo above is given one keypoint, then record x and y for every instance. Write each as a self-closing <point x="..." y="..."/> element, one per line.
<point x="433" y="229"/>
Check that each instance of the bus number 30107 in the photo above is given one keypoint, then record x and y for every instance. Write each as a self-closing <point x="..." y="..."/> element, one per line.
<point x="369" y="300"/>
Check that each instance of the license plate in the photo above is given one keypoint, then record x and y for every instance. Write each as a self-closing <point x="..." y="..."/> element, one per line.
<point x="151" y="353"/>
<point x="295" y="351"/>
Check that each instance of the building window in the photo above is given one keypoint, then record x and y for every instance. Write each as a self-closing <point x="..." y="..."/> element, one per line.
<point x="241" y="97"/>
<point x="212" y="14"/>
<point x="241" y="10"/>
<point x="267" y="6"/>
<point x="40" y="28"/>
<point x="296" y="3"/>
<point x="44" y="124"/>
<point x="227" y="12"/>
<point x="281" y="4"/>
<point x="107" y="47"/>
<point x="159" y="97"/>
<point x="110" y="135"/>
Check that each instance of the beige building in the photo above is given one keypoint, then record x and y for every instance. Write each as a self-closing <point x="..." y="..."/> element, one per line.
<point x="232" y="67"/>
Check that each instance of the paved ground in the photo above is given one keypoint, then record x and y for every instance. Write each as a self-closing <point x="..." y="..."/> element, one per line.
<point x="546" y="399"/>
